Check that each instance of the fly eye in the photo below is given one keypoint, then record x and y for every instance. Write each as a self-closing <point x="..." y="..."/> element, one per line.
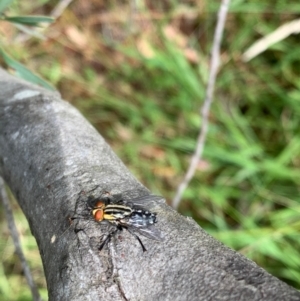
<point x="98" y="215"/>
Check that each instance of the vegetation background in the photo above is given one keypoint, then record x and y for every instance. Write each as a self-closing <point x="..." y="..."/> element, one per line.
<point x="138" y="71"/>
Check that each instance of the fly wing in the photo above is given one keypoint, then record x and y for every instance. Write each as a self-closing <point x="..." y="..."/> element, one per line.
<point x="150" y="232"/>
<point x="146" y="201"/>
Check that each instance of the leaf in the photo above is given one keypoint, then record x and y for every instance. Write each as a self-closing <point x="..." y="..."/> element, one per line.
<point x="4" y="4"/>
<point x="25" y="73"/>
<point x="30" y="20"/>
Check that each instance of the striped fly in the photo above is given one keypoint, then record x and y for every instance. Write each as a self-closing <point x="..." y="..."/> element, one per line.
<point x="125" y="214"/>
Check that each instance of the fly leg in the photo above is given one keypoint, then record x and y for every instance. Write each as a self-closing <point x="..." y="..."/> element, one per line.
<point x="108" y="237"/>
<point x="132" y="233"/>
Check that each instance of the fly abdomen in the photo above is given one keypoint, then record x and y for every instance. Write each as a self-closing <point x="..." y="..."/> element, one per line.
<point x="141" y="218"/>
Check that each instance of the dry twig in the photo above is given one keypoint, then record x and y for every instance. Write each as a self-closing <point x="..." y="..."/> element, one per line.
<point x="215" y="61"/>
<point x="15" y="236"/>
<point x="276" y="36"/>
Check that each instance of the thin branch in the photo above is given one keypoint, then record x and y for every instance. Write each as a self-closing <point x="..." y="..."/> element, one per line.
<point x="15" y="236"/>
<point x="214" y="66"/>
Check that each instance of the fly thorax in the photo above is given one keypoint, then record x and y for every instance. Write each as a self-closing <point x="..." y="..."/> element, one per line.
<point x="117" y="212"/>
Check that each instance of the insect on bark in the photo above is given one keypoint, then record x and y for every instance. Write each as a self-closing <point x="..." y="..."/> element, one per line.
<point x="125" y="214"/>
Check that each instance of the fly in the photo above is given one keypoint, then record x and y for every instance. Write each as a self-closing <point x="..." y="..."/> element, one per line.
<point x="126" y="214"/>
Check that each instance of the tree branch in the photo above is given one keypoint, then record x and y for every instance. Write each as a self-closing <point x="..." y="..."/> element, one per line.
<point x="53" y="159"/>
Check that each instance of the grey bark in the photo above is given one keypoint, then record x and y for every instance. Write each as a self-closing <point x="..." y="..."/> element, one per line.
<point x="52" y="159"/>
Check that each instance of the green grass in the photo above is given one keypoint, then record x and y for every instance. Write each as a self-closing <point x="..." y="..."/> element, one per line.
<point x="246" y="190"/>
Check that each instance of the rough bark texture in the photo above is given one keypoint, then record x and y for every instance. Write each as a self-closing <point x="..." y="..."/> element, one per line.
<point x="52" y="158"/>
